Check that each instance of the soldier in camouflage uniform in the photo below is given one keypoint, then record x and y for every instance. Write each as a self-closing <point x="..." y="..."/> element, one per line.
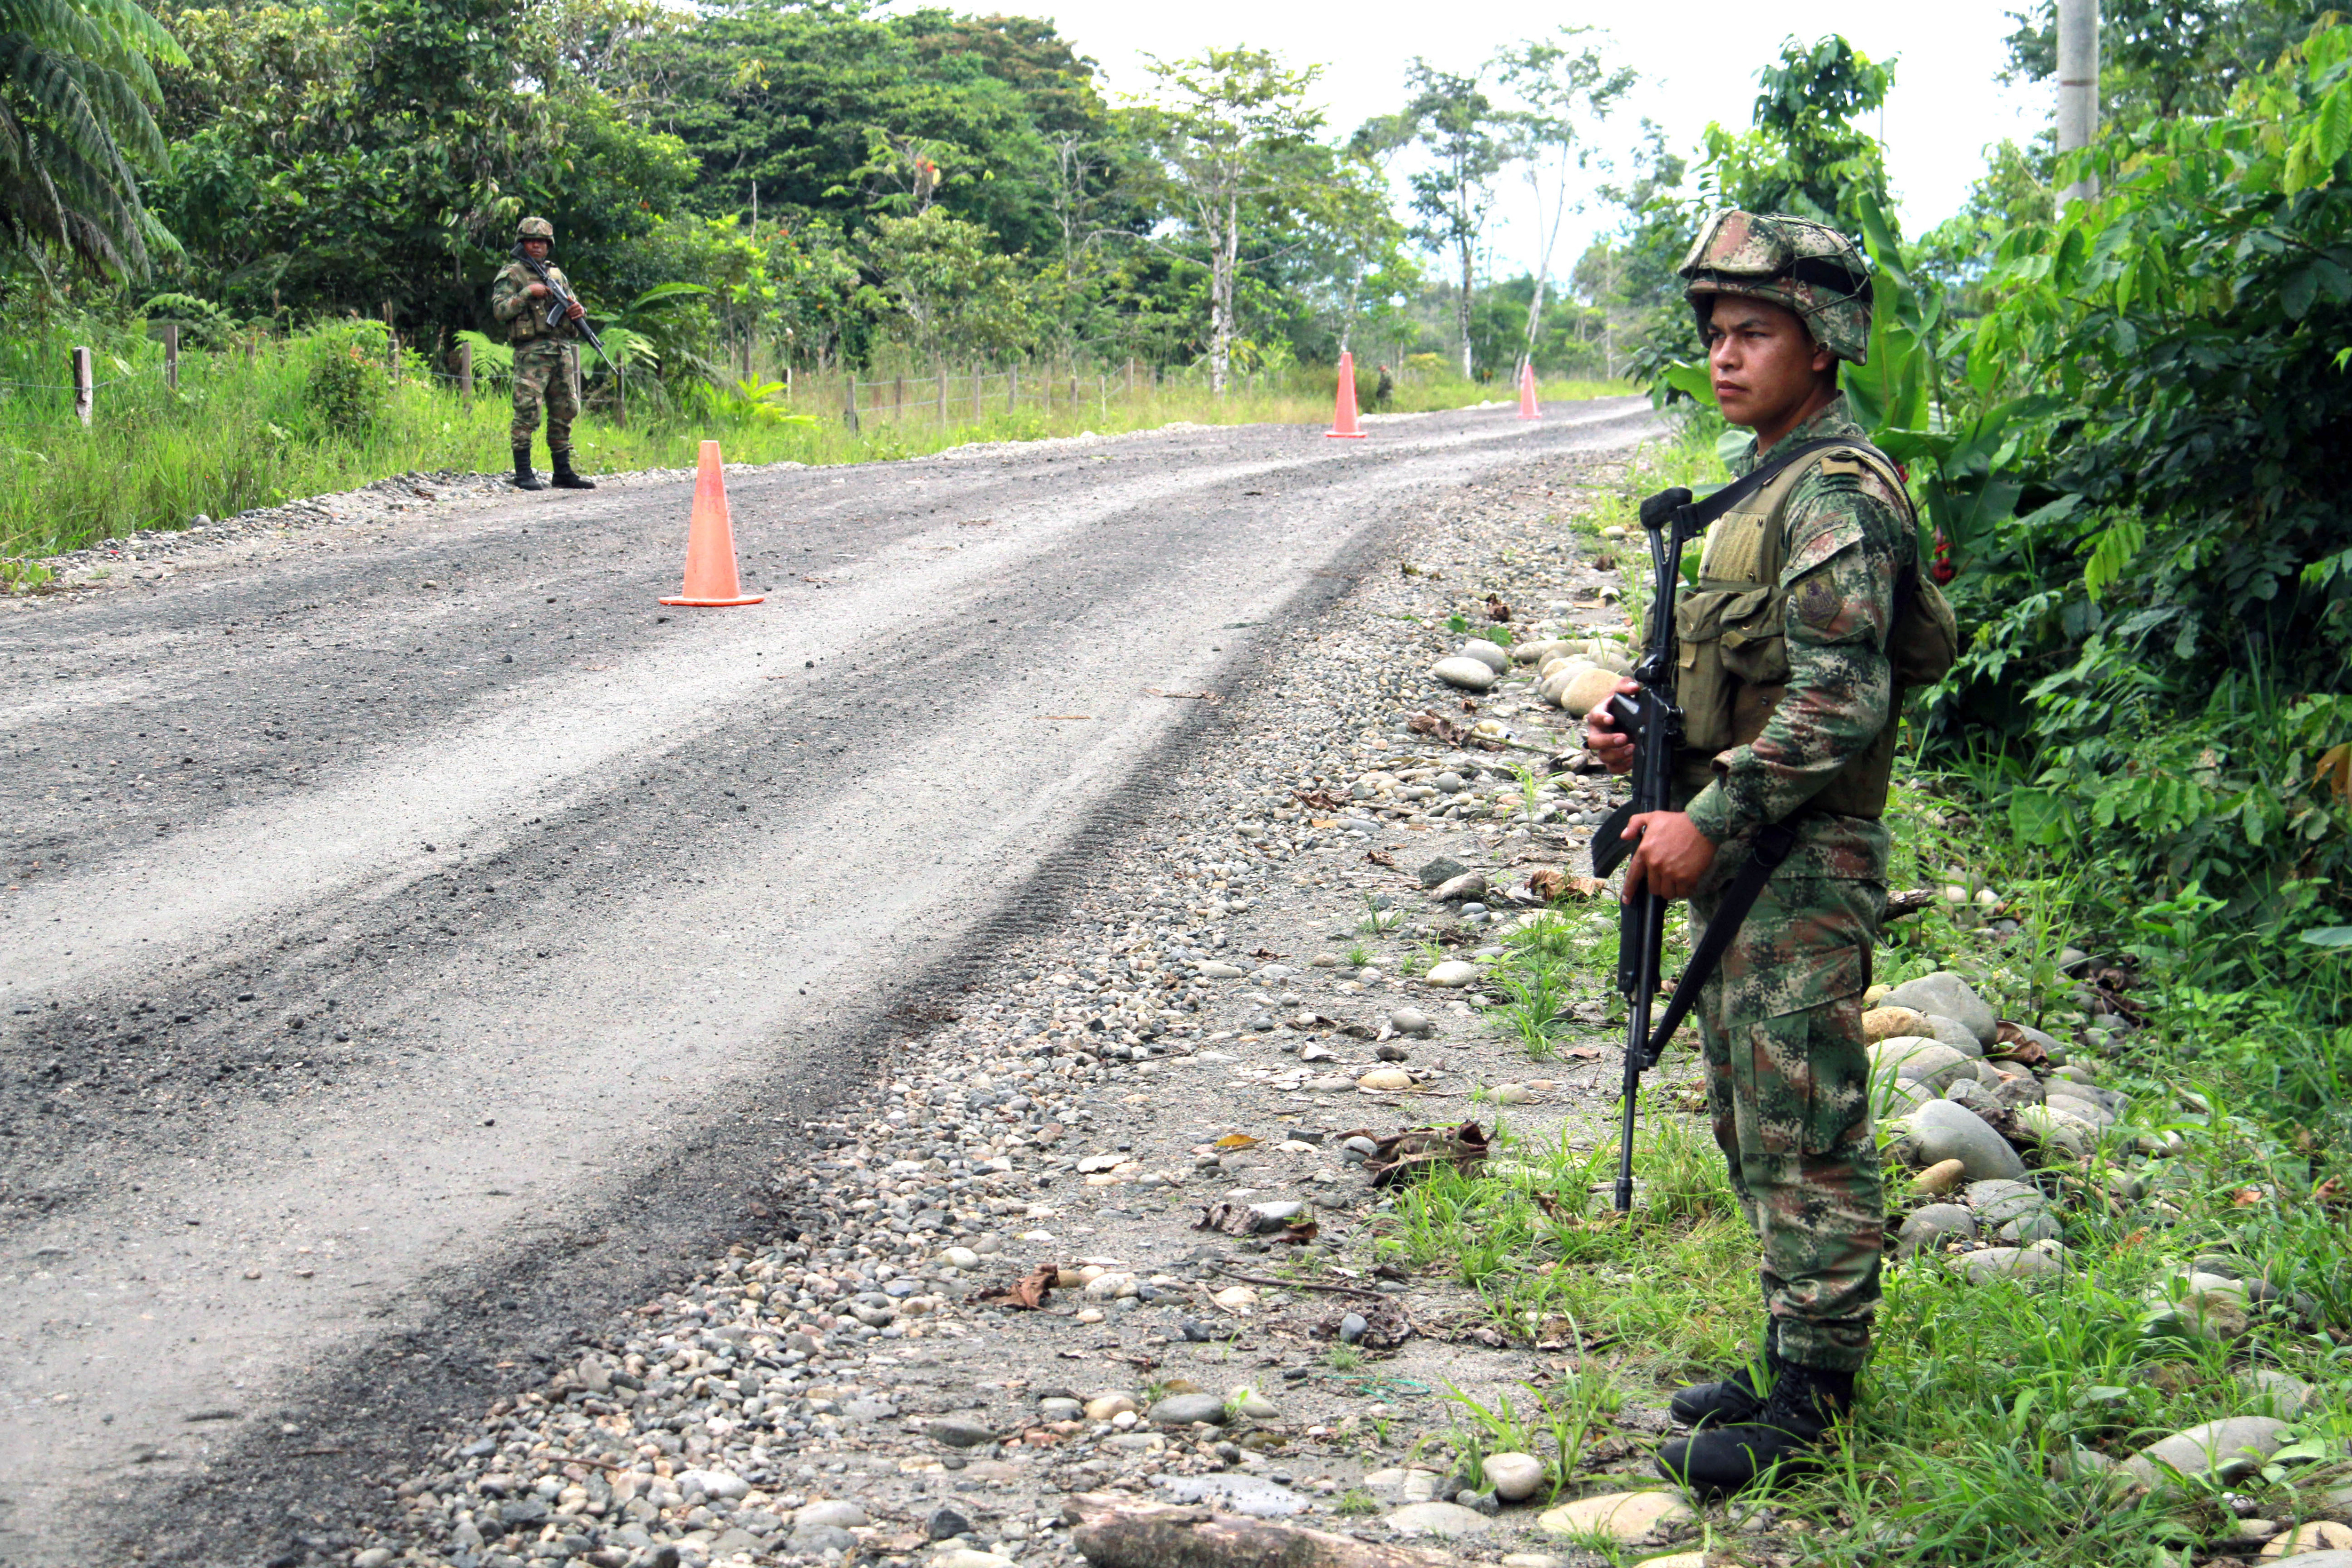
<point x="1790" y="715"/>
<point x="546" y="363"/>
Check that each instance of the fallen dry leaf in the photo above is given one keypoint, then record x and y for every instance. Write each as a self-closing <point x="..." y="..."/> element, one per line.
<point x="1496" y="610"/>
<point x="1583" y="1054"/>
<point x="1237" y="1141"/>
<point x="1025" y="1294"/>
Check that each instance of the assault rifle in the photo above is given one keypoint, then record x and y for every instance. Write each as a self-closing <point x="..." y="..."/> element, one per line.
<point x="560" y="302"/>
<point x="1671" y="518"/>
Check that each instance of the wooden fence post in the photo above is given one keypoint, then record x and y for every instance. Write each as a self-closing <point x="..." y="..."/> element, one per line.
<point x="172" y="355"/>
<point x="1012" y="388"/>
<point x="84" y="393"/>
<point x="898" y="399"/>
<point x="940" y="370"/>
<point x="620" y="398"/>
<point x="849" y="397"/>
<point x="976" y="381"/>
<point x="466" y="371"/>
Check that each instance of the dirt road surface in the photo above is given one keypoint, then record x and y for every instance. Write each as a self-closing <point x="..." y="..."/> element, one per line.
<point x="402" y="939"/>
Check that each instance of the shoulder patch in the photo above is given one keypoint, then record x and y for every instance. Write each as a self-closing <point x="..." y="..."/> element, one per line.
<point x="1817" y="603"/>
<point x="1845" y="468"/>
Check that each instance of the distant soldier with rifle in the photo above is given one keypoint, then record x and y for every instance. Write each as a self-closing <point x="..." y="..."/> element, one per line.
<point x="1763" y="723"/>
<point x="529" y="290"/>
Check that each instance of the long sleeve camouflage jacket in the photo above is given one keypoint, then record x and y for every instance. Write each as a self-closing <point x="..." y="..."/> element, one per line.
<point x="1849" y="536"/>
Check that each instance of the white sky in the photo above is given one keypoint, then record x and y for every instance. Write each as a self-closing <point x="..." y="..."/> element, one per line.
<point x="1698" y="59"/>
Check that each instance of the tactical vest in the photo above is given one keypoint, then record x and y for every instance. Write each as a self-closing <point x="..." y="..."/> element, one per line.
<point x="1735" y="651"/>
<point x="531" y="321"/>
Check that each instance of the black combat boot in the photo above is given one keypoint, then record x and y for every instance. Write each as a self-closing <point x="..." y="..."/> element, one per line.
<point x="1733" y="1400"/>
<point x="524" y="478"/>
<point x="1785" y="1437"/>
<point x="565" y="480"/>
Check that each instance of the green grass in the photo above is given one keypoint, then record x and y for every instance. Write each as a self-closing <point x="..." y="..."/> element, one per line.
<point x="241" y="434"/>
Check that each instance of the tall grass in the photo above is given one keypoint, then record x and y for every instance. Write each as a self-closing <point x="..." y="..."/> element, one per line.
<point x="244" y="429"/>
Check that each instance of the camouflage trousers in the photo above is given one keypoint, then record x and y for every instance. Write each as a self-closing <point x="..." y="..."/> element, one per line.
<point x="542" y="377"/>
<point x="1787" y="1082"/>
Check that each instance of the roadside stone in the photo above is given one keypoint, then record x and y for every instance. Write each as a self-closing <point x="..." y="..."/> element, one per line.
<point x="1451" y="974"/>
<point x="2285" y="1394"/>
<point x="2005" y="1263"/>
<point x="1485" y="653"/>
<point x="1954" y="1034"/>
<point x="959" y="1557"/>
<point x="1916" y="1059"/>
<point x="2308" y="1542"/>
<point x="2223" y="1450"/>
<point x="1621" y="1516"/>
<point x="1352" y="1328"/>
<point x="1946" y="995"/>
<point x="945" y="1524"/>
<point x="1103" y="1407"/>
<point x="1254" y="1497"/>
<point x="1468" y="885"/>
<point x="959" y="1434"/>
<point x="1442" y="869"/>
<point x="1514" y="1476"/>
<point x="1386" y="1079"/>
<point x="1412" y="1023"/>
<point x="1470" y="674"/>
<point x="1587" y="690"/>
<point x="1186" y="1409"/>
<point x="1894" y="1023"/>
<point x="838" y="1512"/>
<point x="1443" y="1520"/>
<point x="1935" y="1225"/>
<point x="1940" y="1177"/>
<point x="1942" y="1131"/>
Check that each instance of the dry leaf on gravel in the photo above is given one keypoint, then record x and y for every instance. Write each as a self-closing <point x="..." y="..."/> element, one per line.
<point x="1386" y="1324"/>
<point x="1318" y="799"/>
<point x="1025" y="1294"/>
<point x="1550" y="884"/>
<point x="1496" y="610"/>
<point x="1237" y="1141"/>
<point x="1401" y="1153"/>
<point x="2013" y="1046"/>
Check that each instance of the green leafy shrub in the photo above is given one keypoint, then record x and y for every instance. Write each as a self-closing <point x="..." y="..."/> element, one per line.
<point x="347" y="386"/>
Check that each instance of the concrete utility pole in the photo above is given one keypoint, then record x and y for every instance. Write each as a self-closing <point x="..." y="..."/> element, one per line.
<point x="2078" y="86"/>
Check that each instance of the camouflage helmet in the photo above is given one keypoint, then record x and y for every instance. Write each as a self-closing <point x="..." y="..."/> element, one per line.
<point x="535" y="229"/>
<point x="1792" y="262"/>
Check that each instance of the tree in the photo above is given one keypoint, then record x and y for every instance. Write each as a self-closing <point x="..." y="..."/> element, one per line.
<point x="76" y="80"/>
<point x="1557" y="87"/>
<point x="1234" y="139"/>
<point x="948" y="284"/>
<point x="347" y="162"/>
<point x="1458" y="126"/>
<point x="1803" y="152"/>
<point x="2167" y="58"/>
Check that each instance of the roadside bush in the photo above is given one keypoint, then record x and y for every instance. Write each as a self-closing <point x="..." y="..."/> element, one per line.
<point x="347" y="386"/>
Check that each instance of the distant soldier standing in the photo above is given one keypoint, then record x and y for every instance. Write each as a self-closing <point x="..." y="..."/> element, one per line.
<point x="1809" y="619"/>
<point x="546" y="358"/>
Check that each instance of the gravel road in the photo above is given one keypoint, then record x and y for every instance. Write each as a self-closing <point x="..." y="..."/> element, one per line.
<point x="415" y="936"/>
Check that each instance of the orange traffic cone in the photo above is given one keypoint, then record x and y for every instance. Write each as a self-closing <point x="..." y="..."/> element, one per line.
<point x="1527" y="409"/>
<point x="1343" y="415"/>
<point x="710" y="577"/>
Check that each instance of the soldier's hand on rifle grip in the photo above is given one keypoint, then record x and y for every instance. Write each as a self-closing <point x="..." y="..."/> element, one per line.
<point x="576" y="311"/>
<point x="1671" y="858"/>
<point x="1660" y="509"/>
<point x="1603" y="738"/>
<point x="537" y="290"/>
